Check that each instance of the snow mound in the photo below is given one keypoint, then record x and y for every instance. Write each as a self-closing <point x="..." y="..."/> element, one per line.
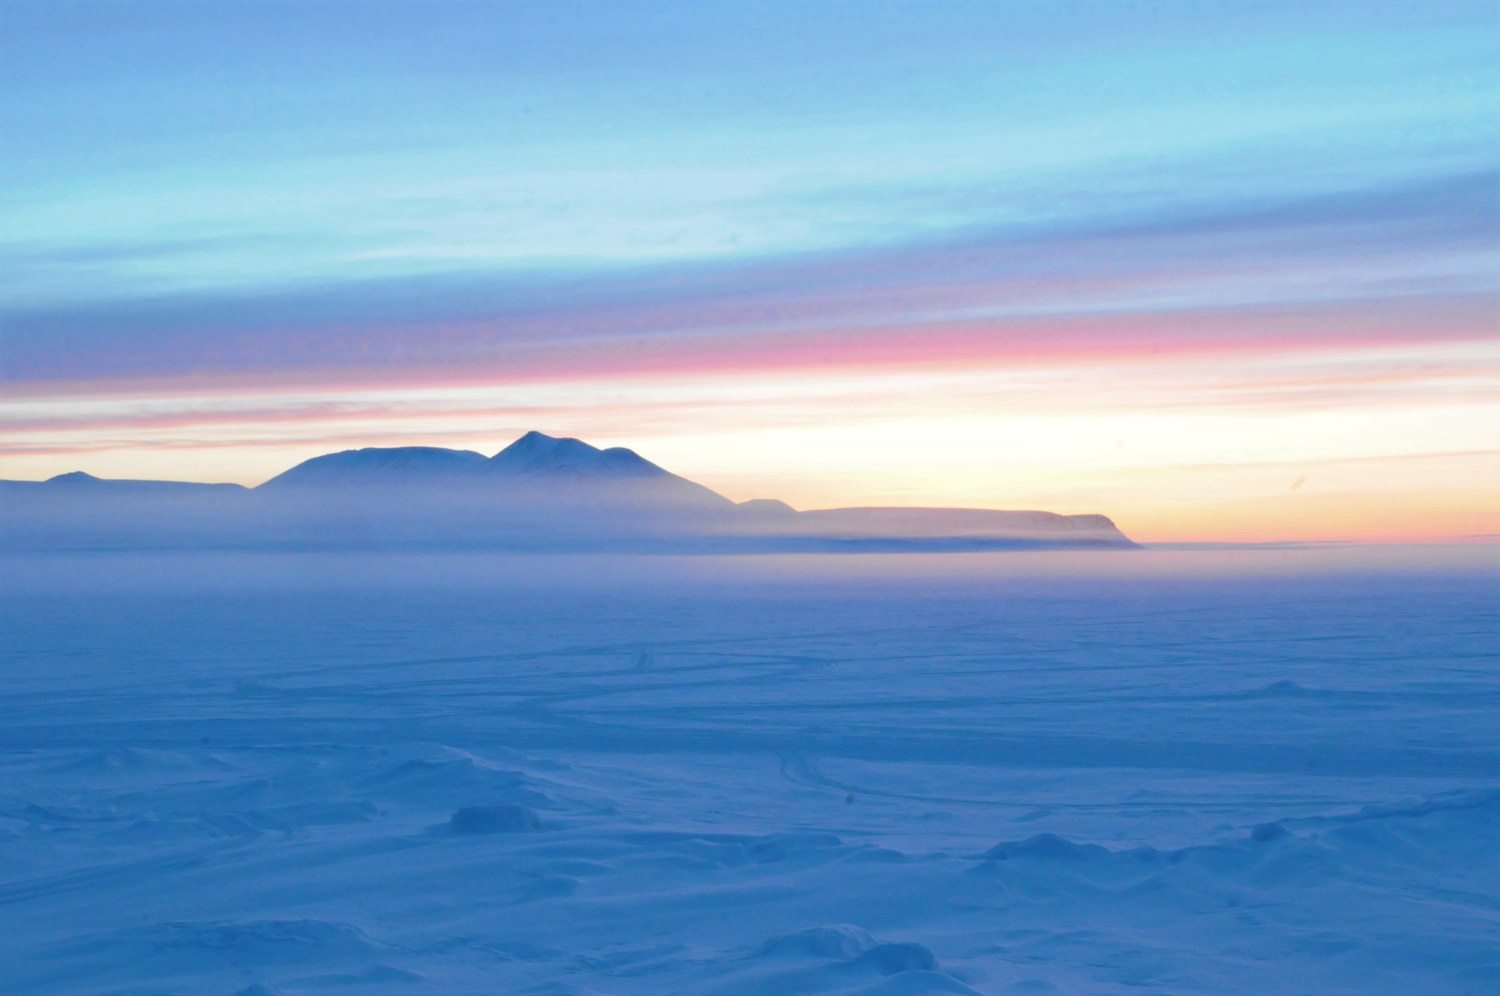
<point x="837" y="942"/>
<point x="780" y="847"/>
<point x="889" y="959"/>
<point x="1046" y="847"/>
<point x="503" y="818"/>
<point x="424" y="778"/>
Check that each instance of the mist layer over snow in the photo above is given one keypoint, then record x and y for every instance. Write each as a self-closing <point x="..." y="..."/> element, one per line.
<point x="1173" y="771"/>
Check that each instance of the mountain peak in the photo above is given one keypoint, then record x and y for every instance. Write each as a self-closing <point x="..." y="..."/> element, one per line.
<point x="538" y="454"/>
<point x="73" y="477"/>
<point x="533" y="440"/>
<point x="538" y="445"/>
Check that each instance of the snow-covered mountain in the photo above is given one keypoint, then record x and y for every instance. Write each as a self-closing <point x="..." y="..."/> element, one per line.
<point x="402" y="465"/>
<point x="540" y="492"/>
<point x="78" y="483"/>
<point x="540" y="467"/>
<point x="539" y="455"/>
<point x="537" y="468"/>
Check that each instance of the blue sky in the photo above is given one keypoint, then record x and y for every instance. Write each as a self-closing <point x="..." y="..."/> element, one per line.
<point x="155" y="147"/>
<point x="297" y="197"/>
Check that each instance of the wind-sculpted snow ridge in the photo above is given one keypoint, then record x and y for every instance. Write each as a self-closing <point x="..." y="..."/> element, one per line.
<point x="540" y="493"/>
<point x="265" y="774"/>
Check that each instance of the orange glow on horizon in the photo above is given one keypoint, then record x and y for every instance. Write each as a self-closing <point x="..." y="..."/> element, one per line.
<point x="1391" y="442"/>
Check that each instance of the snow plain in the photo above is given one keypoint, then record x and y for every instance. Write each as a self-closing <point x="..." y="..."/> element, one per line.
<point x="1168" y="771"/>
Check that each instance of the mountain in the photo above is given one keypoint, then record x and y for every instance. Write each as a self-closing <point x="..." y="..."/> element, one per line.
<point x="539" y="493"/>
<point x="537" y="468"/>
<point x="404" y="465"/>
<point x="767" y="506"/>
<point x="77" y="483"/>
<point x="572" y="470"/>
<point x="81" y="511"/>
<point x="936" y="528"/>
<point x="538" y="455"/>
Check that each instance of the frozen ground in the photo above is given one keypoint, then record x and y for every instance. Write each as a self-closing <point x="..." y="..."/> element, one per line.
<point x="1167" y="771"/>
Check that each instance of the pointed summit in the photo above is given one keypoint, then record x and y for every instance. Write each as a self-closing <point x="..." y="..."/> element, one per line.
<point x="565" y="469"/>
<point x="537" y="454"/>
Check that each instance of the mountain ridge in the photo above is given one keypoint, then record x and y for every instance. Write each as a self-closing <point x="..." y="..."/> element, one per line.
<point x="540" y="491"/>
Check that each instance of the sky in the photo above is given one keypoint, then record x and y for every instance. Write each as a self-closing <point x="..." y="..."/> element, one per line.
<point x="1221" y="271"/>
